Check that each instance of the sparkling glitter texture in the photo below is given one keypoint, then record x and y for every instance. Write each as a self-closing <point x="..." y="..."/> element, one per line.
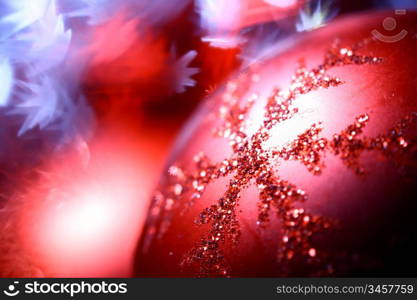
<point x="252" y="164"/>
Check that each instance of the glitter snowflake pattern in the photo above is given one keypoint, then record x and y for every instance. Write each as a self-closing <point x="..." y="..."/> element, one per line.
<point x="251" y="164"/>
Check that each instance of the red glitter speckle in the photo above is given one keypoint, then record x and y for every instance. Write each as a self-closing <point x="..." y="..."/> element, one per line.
<point x="251" y="164"/>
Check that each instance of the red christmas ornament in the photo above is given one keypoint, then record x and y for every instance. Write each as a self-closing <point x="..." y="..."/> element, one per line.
<point x="303" y="165"/>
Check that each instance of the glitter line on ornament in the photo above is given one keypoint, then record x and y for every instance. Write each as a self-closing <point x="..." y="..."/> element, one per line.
<point x="251" y="164"/>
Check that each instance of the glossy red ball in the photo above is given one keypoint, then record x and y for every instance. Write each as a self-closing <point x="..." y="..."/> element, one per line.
<point x="303" y="165"/>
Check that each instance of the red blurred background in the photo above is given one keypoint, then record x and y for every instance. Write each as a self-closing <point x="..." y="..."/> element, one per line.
<point x="79" y="212"/>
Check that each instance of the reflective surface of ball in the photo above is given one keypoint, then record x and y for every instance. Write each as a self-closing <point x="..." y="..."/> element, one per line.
<point x="303" y="165"/>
